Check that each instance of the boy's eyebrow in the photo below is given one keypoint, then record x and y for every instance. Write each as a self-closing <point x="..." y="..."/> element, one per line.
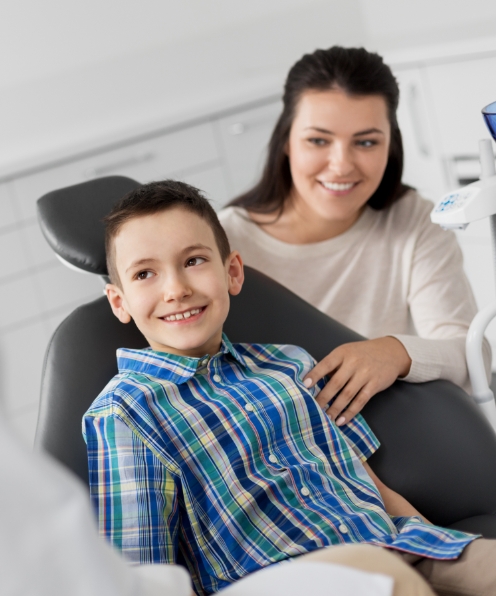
<point x="141" y="262"/>
<point x="150" y="260"/>
<point x="357" y="134"/>
<point x="196" y="247"/>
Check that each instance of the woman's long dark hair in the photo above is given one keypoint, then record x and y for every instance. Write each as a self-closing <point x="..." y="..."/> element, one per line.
<point x="355" y="71"/>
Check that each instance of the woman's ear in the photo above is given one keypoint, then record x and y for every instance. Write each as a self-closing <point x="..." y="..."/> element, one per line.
<point x="116" y="299"/>
<point x="235" y="273"/>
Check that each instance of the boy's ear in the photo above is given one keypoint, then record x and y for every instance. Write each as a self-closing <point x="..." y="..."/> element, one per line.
<point x="116" y="299"/>
<point x="235" y="272"/>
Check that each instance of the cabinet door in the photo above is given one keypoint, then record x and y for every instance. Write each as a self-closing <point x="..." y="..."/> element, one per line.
<point x="212" y="182"/>
<point x="244" y="137"/>
<point x="423" y="168"/>
<point x="151" y="159"/>
<point x="8" y="214"/>
<point x="459" y="92"/>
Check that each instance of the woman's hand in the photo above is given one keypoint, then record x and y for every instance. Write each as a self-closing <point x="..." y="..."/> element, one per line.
<point x="358" y="371"/>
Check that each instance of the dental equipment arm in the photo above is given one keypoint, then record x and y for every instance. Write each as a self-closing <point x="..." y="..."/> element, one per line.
<point x="455" y="211"/>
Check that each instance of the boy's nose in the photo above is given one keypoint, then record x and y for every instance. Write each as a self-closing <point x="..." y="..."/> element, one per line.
<point x="176" y="288"/>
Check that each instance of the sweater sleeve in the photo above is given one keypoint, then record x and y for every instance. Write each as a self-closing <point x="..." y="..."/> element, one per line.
<point x="442" y="307"/>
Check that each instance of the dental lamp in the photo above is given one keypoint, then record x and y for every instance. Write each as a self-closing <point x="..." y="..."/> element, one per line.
<point x="455" y="211"/>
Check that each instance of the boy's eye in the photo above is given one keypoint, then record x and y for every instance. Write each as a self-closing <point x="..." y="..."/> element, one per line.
<point x="143" y="275"/>
<point x="195" y="261"/>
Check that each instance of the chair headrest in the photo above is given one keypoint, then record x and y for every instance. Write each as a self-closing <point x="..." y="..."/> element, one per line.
<point x="71" y="220"/>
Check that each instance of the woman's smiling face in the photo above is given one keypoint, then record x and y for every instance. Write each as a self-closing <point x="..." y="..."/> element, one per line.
<point x="338" y="150"/>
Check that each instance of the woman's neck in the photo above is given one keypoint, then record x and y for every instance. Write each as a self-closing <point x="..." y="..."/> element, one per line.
<point x="296" y="225"/>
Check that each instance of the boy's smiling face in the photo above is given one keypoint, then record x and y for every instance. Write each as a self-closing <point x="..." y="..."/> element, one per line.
<point x="174" y="284"/>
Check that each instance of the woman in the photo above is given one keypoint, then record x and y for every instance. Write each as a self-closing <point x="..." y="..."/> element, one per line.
<point x="331" y="220"/>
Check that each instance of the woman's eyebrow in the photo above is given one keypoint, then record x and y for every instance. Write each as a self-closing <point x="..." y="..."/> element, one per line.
<point x="356" y="134"/>
<point x="368" y="131"/>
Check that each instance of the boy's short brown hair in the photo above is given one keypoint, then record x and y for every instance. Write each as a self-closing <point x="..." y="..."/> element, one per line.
<point x="155" y="197"/>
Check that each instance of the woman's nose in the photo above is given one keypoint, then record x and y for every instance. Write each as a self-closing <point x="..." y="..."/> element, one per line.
<point x="340" y="160"/>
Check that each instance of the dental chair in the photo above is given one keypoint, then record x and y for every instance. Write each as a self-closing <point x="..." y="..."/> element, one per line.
<point x="437" y="448"/>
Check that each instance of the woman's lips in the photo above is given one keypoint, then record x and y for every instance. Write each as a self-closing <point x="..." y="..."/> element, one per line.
<point x="338" y="188"/>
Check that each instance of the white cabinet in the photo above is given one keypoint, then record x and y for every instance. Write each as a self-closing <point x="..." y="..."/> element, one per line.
<point x="244" y="138"/>
<point x="155" y="158"/>
<point x="8" y="214"/>
<point x="459" y="92"/>
<point x="423" y="168"/>
<point x="212" y="181"/>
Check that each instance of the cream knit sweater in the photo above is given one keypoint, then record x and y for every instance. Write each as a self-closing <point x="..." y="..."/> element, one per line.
<point x="392" y="273"/>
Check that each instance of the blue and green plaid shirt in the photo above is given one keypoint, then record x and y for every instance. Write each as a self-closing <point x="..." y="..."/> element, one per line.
<point x="228" y="464"/>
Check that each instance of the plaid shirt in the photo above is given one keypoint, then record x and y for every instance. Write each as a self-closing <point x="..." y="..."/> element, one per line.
<point x="227" y="464"/>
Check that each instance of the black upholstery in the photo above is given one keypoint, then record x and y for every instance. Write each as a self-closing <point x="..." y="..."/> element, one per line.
<point x="437" y="449"/>
<point x="71" y="220"/>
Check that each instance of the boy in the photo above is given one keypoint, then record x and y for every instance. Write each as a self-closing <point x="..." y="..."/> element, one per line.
<point x="218" y="455"/>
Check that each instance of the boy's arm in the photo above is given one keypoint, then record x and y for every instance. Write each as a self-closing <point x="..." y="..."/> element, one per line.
<point x="395" y="504"/>
<point x="134" y="495"/>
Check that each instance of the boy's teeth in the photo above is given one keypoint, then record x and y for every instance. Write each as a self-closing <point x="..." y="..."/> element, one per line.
<point x="336" y="186"/>
<point x="183" y="315"/>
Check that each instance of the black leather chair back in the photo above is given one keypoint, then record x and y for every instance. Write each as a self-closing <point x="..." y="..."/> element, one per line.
<point x="437" y="449"/>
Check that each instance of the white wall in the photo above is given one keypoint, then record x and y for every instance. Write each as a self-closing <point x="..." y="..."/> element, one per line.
<point x="71" y="75"/>
<point x="38" y="39"/>
<point x="399" y="23"/>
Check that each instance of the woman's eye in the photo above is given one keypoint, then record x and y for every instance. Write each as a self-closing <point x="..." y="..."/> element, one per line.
<point x="318" y="141"/>
<point x="367" y="143"/>
<point x="195" y="261"/>
<point x="143" y="275"/>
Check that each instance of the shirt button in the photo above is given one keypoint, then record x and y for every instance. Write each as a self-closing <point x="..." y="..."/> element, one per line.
<point x="273" y="459"/>
<point x="343" y="529"/>
<point x="217" y="379"/>
<point x="249" y="408"/>
<point x="304" y="491"/>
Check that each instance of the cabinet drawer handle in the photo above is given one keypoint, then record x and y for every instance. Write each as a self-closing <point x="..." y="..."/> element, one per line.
<point x="238" y="128"/>
<point x="118" y="165"/>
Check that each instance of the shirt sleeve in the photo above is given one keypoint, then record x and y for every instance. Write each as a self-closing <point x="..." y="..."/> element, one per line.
<point x="442" y="307"/>
<point x="135" y="496"/>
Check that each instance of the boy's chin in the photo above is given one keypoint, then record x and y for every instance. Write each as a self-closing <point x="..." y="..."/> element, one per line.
<point x="192" y="347"/>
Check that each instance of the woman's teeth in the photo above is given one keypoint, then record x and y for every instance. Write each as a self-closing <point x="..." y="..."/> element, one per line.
<point x="183" y="315"/>
<point x="336" y="186"/>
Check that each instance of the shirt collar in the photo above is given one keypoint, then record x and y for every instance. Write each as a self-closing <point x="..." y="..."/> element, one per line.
<point x="170" y="367"/>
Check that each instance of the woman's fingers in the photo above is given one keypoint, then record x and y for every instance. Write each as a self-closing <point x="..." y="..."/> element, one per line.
<point x="357" y="372"/>
<point x="356" y="406"/>
<point x="353" y="396"/>
<point x="326" y="366"/>
<point x="335" y="384"/>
